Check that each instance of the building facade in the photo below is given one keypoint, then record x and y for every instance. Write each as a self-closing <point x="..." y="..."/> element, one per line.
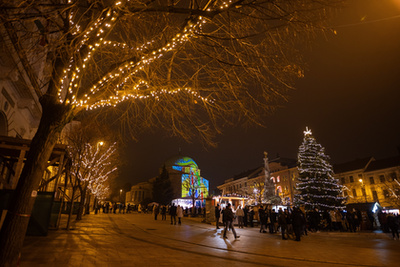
<point x="250" y="184"/>
<point x="140" y="192"/>
<point x="185" y="178"/>
<point x="370" y="180"/>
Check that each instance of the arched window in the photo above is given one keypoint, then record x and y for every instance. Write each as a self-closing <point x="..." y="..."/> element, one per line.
<point x="3" y="124"/>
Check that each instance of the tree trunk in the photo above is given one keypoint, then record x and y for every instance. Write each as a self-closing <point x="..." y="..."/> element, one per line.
<point x="71" y="207"/>
<point x="87" y="206"/>
<point x="81" y="208"/>
<point x="55" y="116"/>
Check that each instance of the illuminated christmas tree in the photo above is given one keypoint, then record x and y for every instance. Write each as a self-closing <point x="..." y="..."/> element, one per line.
<point x="317" y="188"/>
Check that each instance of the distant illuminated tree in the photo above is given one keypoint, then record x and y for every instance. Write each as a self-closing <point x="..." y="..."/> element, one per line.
<point x="180" y="65"/>
<point x="391" y="187"/>
<point x="254" y="192"/>
<point x="93" y="168"/>
<point x="92" y="162"/>
<point x="194" y="186"/>
<point x="317" y="188"/>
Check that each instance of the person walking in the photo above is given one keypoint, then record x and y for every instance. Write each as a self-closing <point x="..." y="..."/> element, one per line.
<point x="156" y="210"/>
<point x="217" y="215"/>
<point x="240" y="215"/>
<point x="229" y="221"/>
<point x="172" y="213"/>
<point x="179" y="213"/>
<point x="351" y="220"/>
<point x="163" y="213"/>
<point x="223" y="216"/>
<point x="251" y="217"/>
<point x="393" y="224"/>
<point x="282" y="223"/>
<point x="272" y="218"/>
<point x="246" y="212"/>
<point x="262" y="219"/>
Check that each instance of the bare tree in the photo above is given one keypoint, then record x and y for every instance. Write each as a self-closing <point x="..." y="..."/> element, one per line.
<point x="194" y="187"/>
<point x="92" y="163"/>
<point x="182" y="65"/>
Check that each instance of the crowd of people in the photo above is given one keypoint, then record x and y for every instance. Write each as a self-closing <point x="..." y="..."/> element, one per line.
<point x="290" y="222"/>
<point x="295" y="222"/>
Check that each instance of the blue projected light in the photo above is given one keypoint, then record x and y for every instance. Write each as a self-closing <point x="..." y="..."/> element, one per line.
<point x="178" y="168"/>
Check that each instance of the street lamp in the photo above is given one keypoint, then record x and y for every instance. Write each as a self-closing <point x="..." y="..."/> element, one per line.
<point x="120" y="192"/>
<point x="100" y="143"/>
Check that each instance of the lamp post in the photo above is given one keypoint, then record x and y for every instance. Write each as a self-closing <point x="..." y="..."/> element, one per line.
<point x="363" y="189"/>
<point x="120" y="192"/>
<point x="100" y="143"/>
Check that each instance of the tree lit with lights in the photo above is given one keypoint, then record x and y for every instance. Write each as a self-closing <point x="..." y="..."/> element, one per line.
<point x="185" y="66"/>
<point x="92" y="165"/>
<point x="317" y="188"/>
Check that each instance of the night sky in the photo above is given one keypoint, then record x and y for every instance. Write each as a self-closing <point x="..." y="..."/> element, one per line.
<point x="350" y="98"/>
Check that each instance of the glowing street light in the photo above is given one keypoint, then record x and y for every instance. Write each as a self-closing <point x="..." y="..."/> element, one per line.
<point x="100" y="143"/>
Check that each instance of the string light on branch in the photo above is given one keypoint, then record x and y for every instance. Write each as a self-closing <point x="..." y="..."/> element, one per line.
<point x="113" y="101"/>
<point x="93" y="37"/>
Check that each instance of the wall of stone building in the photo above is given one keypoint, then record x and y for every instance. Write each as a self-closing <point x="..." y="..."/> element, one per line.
<point x="361" y="192"/>
<point x="18" y="101"/>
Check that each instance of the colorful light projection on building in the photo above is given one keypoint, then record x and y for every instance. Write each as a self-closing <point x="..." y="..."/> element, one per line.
<point x="192" y="182"/>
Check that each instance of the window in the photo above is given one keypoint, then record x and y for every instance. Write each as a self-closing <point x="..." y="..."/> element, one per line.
<point x="382" y="178"/>
<point x="360" y="176"/>
<point x="351" y="179"/>
<point x="386" y="193"/>
<point x="364" y="193"/>
<point x="371" y="180"/>
<point x="354" y="193"/>
<point x="393" y="175"/>
<point x="343" y="180"/>
<point x="375" y="195"/>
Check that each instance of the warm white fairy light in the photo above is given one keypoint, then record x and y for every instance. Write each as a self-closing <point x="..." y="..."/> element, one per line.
<point x="93" y="38"/>
<point x="317" y="187"/>
<point x="92" y="165"/>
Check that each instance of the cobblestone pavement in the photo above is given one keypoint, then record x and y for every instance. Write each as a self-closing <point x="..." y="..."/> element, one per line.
<point x="139" y="240"/>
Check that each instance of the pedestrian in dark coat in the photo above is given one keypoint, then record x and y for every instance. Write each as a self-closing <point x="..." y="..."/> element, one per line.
<point x="156" y="210"/>
<point x="251" y="217"/>
<point x="314" y="220"/>
<point x="263" y="219"/>
<point x="163" y="213"/>
<point x="298" y="222"/>
<point x="172" y="213"/>
<point x="393" y="224"/>
<point x="223" y="217"/>
<point x="217" y="215"/>
<point x="246" y="212"/>
<point x="351" y="220"/>
<point x="282" y="223"/>
<point x="229" y="221"/>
